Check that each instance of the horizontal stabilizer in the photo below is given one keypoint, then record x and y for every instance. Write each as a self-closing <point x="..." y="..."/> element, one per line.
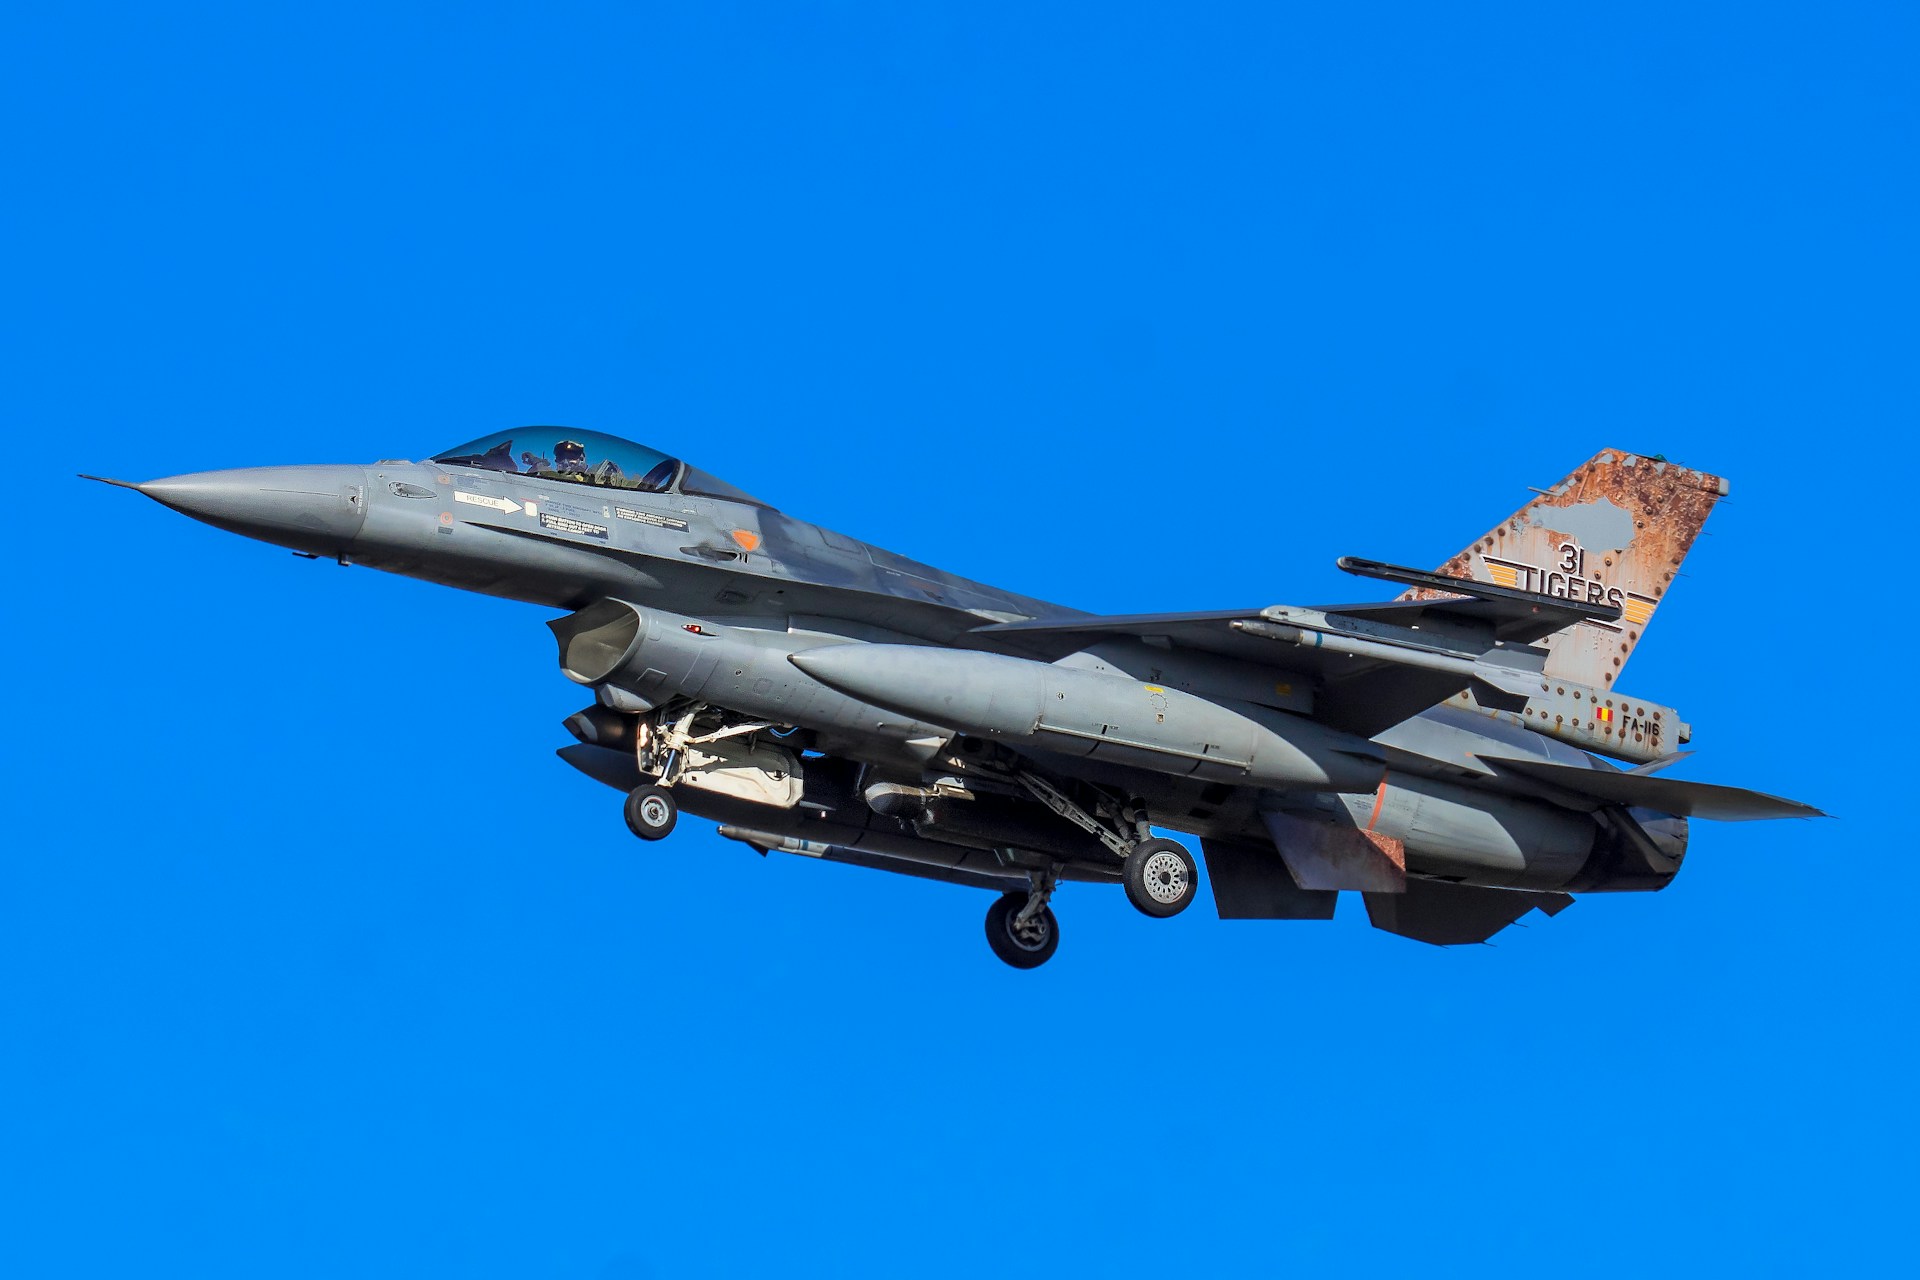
<point x="1449" y="915"/>
<point x="1668" y="795"/>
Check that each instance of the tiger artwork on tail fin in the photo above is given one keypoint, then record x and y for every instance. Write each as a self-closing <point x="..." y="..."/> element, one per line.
<point x="1614" y="532"/>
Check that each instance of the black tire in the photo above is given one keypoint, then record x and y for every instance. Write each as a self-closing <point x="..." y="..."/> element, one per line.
<point x="1161" y="878"/>
<point x="651" y="812"/>
<point x="1029" y="952"/>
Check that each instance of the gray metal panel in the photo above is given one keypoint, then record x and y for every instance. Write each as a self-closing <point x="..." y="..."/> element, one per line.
<point x="1359" y="695"/>
<point x="1332" y="855"/>
<point x="1449" y="915"/>
<point x="1251" y="883"/>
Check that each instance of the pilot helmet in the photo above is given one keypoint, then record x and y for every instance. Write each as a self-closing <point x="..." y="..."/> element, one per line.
<point x="569" y="451"/>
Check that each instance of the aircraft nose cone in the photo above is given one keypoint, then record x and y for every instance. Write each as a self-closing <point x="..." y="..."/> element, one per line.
<point x="317" y="509"/>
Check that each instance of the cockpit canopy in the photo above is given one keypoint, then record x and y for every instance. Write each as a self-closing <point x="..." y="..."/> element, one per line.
<point x="588" y="457"/>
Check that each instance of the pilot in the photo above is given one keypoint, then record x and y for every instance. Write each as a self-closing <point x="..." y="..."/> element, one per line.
<point x="570" y="458"/>
<point x="607" y="471"/>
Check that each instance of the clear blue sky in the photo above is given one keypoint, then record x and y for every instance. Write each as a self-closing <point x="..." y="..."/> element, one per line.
<point x="314" y="962"/>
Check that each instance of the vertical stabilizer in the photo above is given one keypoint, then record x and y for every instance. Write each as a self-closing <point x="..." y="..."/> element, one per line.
<point x="1614" y="532"/>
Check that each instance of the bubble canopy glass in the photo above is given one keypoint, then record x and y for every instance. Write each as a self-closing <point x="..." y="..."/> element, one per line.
<point x="587" y="457"/>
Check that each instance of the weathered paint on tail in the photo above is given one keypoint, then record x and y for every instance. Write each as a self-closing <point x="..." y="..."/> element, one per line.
<point x="1614" y="532"/>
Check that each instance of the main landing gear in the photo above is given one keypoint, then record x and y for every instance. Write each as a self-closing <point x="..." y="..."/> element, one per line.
<point x="1021" y="927"/>
<point x="1160" y="877"/>
<point x="651" y="812"/>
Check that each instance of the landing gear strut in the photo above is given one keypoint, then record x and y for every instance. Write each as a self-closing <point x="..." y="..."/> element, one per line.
<point x="1160" y="875"/>
<point x="651" y="812"/>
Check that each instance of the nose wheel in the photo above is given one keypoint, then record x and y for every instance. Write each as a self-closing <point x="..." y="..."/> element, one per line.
<point x="1160" y="877"/>
<point x="651" y="812"/>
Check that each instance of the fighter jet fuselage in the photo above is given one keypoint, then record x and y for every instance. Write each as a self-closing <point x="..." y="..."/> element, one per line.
<point x="1444" y="754"/>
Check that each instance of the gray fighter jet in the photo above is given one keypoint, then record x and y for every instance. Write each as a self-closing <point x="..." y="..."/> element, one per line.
<point x="1447" y="754"/>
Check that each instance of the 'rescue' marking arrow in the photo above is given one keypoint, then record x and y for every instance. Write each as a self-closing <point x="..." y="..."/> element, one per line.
<point x="481" y="500"/>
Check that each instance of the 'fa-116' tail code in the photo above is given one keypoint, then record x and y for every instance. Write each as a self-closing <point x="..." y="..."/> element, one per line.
<point x="1612" y="533"/>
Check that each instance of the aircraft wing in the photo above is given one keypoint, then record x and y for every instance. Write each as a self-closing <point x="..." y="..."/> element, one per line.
<point x="1476" y="611"/>
<point x="1505" y="620"/>
<point x="1216" y="631"/>
<point x="1511" y="615"/>
<point x="1371" y="665"/>
<point x="1363" y="697"/>
<point x="1049" y="639"/>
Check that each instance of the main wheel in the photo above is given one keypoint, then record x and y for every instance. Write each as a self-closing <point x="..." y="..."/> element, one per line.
<point x="651" y="812"/>
<point x="1161" y="878"/>
<point x="1024" y="946"/>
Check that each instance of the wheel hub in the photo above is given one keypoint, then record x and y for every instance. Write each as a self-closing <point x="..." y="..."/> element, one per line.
<point x="1030" y="934"/>
<point x="1165" y="877"/>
